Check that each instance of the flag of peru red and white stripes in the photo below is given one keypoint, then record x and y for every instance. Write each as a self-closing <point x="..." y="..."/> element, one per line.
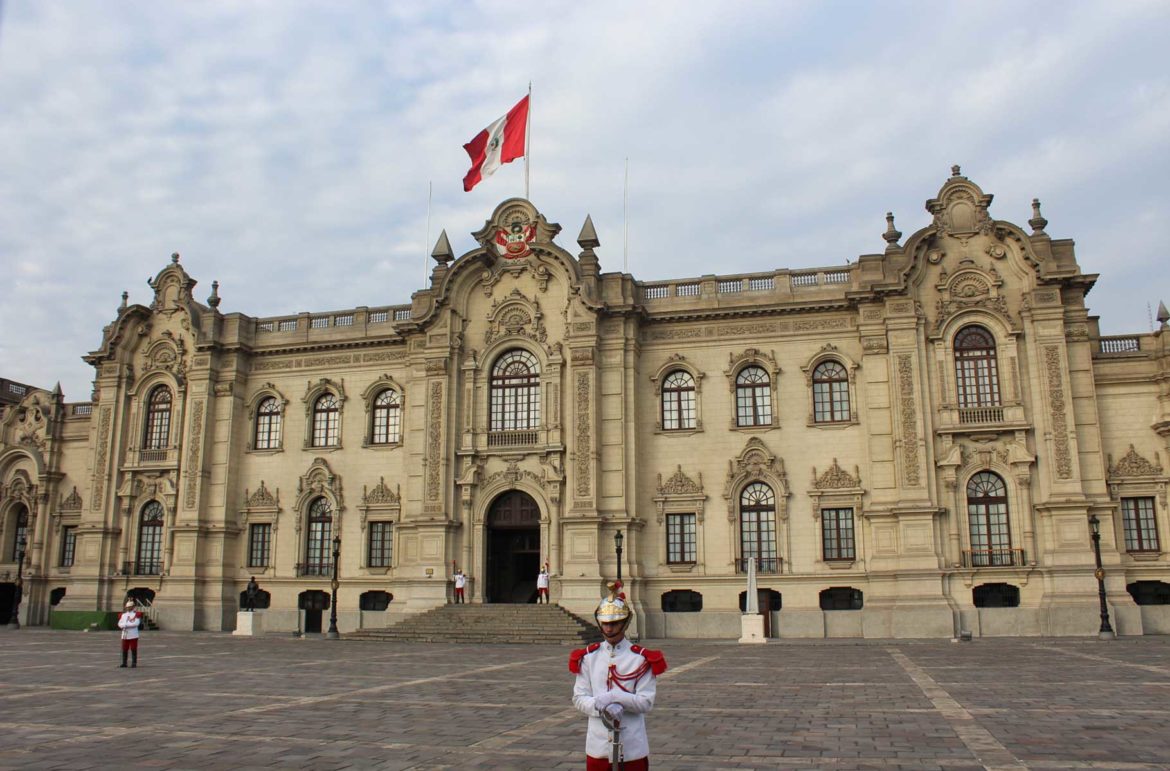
<point x="501" y="142"/>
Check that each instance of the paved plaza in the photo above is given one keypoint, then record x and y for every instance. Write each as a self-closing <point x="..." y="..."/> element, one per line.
<point x="204" y="700"/>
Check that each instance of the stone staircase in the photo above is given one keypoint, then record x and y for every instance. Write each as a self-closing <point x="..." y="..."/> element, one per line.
<point x="491" y="623"/>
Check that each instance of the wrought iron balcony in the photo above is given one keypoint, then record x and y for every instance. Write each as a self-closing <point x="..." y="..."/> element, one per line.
<point x="970" y="415"/>
<point x="993" y="558"/>
<point x="764" y="565"/>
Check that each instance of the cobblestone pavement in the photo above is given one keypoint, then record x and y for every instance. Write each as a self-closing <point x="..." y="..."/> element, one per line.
<point x="202" y="700"/>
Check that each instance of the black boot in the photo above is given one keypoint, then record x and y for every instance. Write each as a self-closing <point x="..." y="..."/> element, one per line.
<point x="133" y="659"/>
<point x="123" y="660"/>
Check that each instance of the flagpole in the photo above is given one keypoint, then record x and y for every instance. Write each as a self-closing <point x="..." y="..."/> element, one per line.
<point x="427" y="245"/>
<point x="527" y="140"/>
<point x="626" y="222"/>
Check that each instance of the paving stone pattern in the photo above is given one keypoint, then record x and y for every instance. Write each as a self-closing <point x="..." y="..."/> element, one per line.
<point x="213" y="701"/>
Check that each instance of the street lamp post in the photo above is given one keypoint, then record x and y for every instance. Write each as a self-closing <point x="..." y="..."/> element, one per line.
<point x="332" y="634"/>
<point x="618" y="538"/>
<point x="21" y="543"/>
<point x="1106" y="631"/>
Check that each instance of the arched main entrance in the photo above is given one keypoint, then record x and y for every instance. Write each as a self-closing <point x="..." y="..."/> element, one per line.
<point x="513" y="548"/>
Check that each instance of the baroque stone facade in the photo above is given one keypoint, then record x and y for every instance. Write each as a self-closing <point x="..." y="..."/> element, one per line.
<point x="910" y="444"/>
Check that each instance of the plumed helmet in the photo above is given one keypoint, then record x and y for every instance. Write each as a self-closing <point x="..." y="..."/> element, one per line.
<point x="130" y="603"/>
<point x="613" y="607"/>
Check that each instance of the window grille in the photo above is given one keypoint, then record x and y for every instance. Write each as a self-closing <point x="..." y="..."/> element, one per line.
<point x="381" y="544"/>
<point x="757" y="523"/>
<point x="830" y="393"/>
<point x="326" y="420"/>
<point x="753" y="397"/>
<point x="68" y="545"/>
<point x="976" y="369"/>
<point x="837" y="534"/>
<point x="678" y="401"/>
<point x="318" y="543"/>
<point x="515" y="392"/>
<point x="259" y="544"/>
<point x="680" y="538"/>
<point x="268" y="420"/>
<point x="158" y="419"/>
<point x="150" y="527"/>
<point x="386" y="418"/>
<point x="1139" y="524"/>
<point x="987" y="517"/>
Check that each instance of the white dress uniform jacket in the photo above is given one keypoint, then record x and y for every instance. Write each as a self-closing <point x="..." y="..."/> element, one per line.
<point x="129" y="622"/>
<point x="593" y="679"/>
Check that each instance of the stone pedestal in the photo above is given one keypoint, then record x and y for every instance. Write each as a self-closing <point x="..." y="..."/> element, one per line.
<point x="752" y="628"/>
<point x="249" y="623"/>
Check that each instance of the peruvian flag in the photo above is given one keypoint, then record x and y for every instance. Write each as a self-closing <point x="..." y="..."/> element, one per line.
<point x="500" y="143"/>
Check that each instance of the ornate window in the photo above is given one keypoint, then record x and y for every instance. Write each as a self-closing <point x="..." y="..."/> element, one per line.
<point x="680" y="538"/>
<point x="753" y="397"/>
<point x="259" y="544"/>
<point x="381" y="544"/>
<point x="1138" y="521"/>
<point x="158" y="419"/>
<point x="20" y="533"/>
<point x="830" y="393"/>
<point x="837" y="534"/>
<point x="268" y="420"/>
<point x="150" y="530"/>
<point x="326" y="420"/>
<point x="318" y="545"/>
<point x="68" y="545"/>
<point x="757" y="528"/>
<point x="987" y="518"/>
<point x="386" y="418"/>
<point x="678" y="401"/>
<point x="515" y="392"/>
<point x="976" y="370"/>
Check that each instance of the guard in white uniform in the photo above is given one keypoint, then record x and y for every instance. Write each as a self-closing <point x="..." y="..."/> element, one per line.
<point x="619" y="680"/>
<point x="129" y="622"/>
<point x="542" y="585"/>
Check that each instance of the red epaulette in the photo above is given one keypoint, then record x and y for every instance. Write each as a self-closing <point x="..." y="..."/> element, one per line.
<point x="655" y="658"/>
<point x="576" y="656"/>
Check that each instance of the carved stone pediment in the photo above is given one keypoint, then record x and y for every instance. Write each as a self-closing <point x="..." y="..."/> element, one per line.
<point x="381" y="495"/>
<point x="960" y="211"/>
<point x="319" y="480"/>
<point x="967" y="288"/>
<point x="515" y="315"/>
<point x="680" y="484"/>
<point x="837" y="478"/>
<point x="71" y="502"/>
<point x="756" y="463"/>
<point x="1132" y="464"/>
<point x="262" y="497"/>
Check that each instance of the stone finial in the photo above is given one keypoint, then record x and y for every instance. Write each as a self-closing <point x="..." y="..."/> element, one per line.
<point x="588" y="237"/>
<point x="125" y="301"/>
<point x="442" y="252"/>
<point x="955" y="171"/>
<point x="892" y="234"/>
<point x="213" y="299"/>
<point x="1037" y="222"/>
<point x="57" y="389"/>
<point x="1163" y="314"/>
<point x="174" y="258"/>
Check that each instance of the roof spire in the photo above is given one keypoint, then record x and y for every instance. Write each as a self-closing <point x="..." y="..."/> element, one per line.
<point x="588" y="237"/>
<point x="1037" y="222"/>
<point x="1163" y="314"/>
<point x="892" y="234"/>
<point x="442" y="253"/>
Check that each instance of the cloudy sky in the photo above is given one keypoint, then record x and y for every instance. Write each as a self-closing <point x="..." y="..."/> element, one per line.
<point x="286" y="148"/>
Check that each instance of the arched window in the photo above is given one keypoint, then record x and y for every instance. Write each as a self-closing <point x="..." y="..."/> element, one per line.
<point x="757" y="528"/>
<point x="987" y="517"/>
<point x="830" y="393"/>
<point x="386" y="425"/>
<point x="158" y="419"/>
<point x="753" y="397"/>
<point x="20" y="532"/>
<point x="976" y="371"/>
<point x="678" y="401"/>
<point x="515" y="392"/>
<point x="150" y="529"/>
<point x="268" y="425"/>
<point x="996" y="596"/>
<point x="318" y="546"/>
<point x="326" y="419"/>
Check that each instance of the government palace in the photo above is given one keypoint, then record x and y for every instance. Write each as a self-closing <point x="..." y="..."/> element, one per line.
<point x="915" y="443"/>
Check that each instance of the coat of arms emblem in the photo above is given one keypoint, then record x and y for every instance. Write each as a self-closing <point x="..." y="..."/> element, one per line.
<point x="512" y="240"/>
